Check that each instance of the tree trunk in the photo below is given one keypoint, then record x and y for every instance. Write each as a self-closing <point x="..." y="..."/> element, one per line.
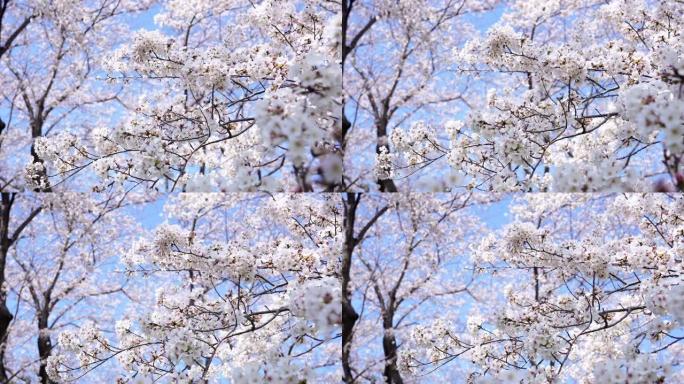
<point x="5" y="320"/>
<point x="386" y="185"/>
<point x="389" y="347"/>
<point x="5" y="314"/>
<point x="349" y="315"/>
<point x="36" y="132"/>
<point x="44" y="346"/>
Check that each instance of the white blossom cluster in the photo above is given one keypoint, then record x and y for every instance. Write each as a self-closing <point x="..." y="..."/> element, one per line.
<point x="241" y="309"/>
<point x="584" y="97"/>
<point x="357" y="191"/>
<point x="601" y="300"/>
<point x="213" y="111"/>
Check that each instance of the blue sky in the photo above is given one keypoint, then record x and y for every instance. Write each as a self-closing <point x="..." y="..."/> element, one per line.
<point x="494" y="215"/>
<point x="144" y="20"/>
<point x="149" y="215"/>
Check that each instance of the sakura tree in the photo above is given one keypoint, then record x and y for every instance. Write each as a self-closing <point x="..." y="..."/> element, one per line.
<point x="11" y="227"/>
<point x="248" y="291"/>
<point x="407" y="263"/>
<point x="584" y="96"/>
<point x="398" y="63"/>
<point x="55" y="260"/>
<point x="50" y="54"/>
<point x="580" y="288"/>
<point x="231" y="95"/>
<point x="154" y="157"/>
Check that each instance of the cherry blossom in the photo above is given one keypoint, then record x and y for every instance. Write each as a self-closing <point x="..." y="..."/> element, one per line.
<point x="227" y="96"/>
<point x="580" y="296"/>
<point x="582" y="96"/>
<point x="254" y="298"/>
